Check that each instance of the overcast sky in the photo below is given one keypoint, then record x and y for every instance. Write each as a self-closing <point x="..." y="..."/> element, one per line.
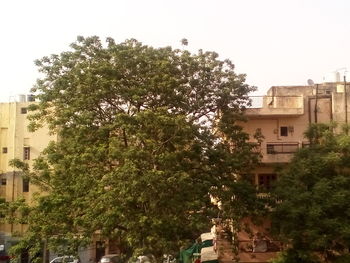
<point x="274" y="42"/>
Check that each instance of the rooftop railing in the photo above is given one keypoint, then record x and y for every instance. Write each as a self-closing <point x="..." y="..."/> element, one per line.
<point x="276" y="101"/>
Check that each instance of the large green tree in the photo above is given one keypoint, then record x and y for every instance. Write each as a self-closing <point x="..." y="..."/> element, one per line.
<point x="147" y="138"/>
<point x="312" y="214"/>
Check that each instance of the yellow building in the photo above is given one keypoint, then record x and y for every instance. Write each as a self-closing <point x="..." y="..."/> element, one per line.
<point x="17" y="142"/>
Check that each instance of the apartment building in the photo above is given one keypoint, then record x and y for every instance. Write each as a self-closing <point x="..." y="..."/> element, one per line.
<point x="17" y="142"/>
<point x="282" y="117"/>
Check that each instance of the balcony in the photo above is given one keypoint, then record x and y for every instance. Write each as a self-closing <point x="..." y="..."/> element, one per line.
<point x="282" y="147"/>
<point x="279" y="152"/>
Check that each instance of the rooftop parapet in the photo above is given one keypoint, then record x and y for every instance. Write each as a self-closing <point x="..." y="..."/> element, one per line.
<point x="276" y="106"/>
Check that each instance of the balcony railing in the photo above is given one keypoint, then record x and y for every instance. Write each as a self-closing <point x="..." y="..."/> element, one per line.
<point x="282" y="147"/>
<point x="282" y="102"/>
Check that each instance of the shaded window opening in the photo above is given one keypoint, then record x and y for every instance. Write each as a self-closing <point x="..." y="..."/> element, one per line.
<point x="3" y="181"/>
<point x="284" y="131"/>
<point x="25" y="185"/>
<point x="266" y="181"/>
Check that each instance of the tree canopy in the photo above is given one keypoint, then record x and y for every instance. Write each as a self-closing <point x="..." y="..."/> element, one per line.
<point x="313" y="210"/>
<point x="148" y="137"/>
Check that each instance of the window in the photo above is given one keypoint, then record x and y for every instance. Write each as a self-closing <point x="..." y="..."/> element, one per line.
<point x="26" y="153"/>
<point x="3" y="181"/>
<point x="284" y="131"/>
<point x="25" y="184"/>
<point x="23" y="110"/>
<point x="4" y="149"/>
<point x="266" y="181"/>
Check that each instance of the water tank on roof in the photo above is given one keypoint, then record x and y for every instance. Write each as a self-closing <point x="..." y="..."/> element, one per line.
<point x="337" y="76"/>
<point x="21" y="98"/>
<point x="30" y="97"/>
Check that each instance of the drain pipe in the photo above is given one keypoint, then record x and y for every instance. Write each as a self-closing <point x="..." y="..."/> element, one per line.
<point x="346" y="102"/>
<point x="315" y="110"/>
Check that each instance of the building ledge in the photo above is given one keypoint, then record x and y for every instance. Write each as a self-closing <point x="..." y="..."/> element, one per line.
<point x="273" y="112"/>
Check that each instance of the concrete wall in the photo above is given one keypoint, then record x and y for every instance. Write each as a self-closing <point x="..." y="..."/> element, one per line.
<point x="338" y="106"/>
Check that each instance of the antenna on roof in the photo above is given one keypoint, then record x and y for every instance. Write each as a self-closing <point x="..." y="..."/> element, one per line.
<point x="310" y="82"/>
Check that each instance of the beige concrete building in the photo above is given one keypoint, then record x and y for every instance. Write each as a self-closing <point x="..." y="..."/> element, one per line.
<point x="17" y="142"/>
<point x="285" y="114"/>
<point x="282" y="117"/>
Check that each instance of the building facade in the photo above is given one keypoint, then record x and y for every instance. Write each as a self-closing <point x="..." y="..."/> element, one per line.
<point x="282" y="118"/>
<point x="16" y="142"/>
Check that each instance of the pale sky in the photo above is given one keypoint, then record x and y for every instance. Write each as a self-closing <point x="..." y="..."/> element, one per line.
<point x="274" y="42"/>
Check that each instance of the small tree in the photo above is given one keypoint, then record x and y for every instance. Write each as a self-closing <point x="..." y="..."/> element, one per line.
<point x="313" y="210"/>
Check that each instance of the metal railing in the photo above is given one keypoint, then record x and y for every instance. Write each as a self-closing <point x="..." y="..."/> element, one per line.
<point x="288" y="101"/>
<point x="282" y="147"/>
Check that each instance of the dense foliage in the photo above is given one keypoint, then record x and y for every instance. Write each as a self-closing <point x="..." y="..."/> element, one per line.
<point x="312" y="214"/>
<point x="147" y="137"/>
